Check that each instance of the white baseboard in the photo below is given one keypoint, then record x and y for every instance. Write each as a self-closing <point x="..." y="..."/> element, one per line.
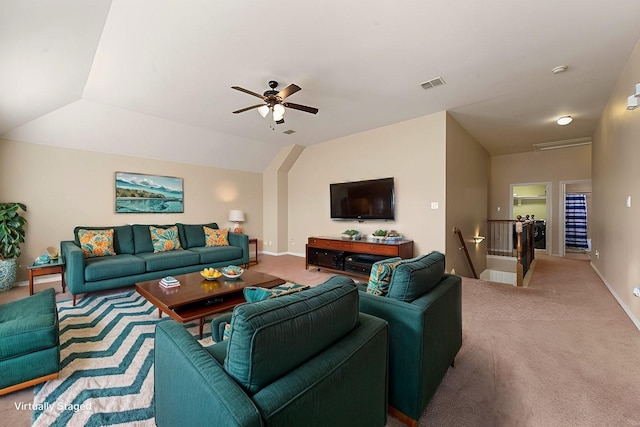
<point x="39" y="280"/>
<point x="633" y="318"/>
<point x="283" y="253"/>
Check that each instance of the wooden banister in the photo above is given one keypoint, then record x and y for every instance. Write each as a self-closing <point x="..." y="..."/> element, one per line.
<point x="466" y="252"/>
<point x="523" y="246"/>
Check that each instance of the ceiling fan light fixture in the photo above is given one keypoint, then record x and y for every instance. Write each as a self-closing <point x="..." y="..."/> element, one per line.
<point x="264" y="110"/>
<point x="564" y="120"/>
<point x="278" y="112"/>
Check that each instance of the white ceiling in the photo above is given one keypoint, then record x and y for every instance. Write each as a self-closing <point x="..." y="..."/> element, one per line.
<point x="153" y="78"/>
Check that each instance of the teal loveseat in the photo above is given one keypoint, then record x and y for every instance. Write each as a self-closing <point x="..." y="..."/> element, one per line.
<point x="423" y="307"/>
<point x="135" y="259"/>
<point x="303" y="359"/>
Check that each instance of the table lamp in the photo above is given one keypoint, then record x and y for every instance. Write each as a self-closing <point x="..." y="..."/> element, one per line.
<point x="236" y="216"/>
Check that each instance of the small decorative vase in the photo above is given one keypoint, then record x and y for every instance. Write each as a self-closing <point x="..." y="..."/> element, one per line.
<point x="8" y="269"/>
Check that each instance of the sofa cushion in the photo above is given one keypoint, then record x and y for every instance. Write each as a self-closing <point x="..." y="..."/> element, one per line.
<point x="28" y="325"/>
<point x="113" y="266"/>
<point x="414" y="277"/>
<point x="122" y="237"/>
<point x="164" y="239"/>
<point x="380" y="276"/>
<point x="255" y="294"/>
<point x="303" y="323"/>
<point x="167" y="260"/>
<point x="215" y="237"/>
<point x="217" y="254"/>
<point x="192" y="235"/>
<point x="96" y="243"/>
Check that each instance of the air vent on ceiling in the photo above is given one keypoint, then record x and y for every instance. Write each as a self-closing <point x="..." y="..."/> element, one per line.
<point x="289" y="132"/>
<point x="432" y="83"/>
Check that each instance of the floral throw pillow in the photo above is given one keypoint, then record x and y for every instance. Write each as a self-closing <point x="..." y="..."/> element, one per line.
<point x="215" y="237"/>
<point x="380" y="277"/>
<point x="95" y="243"/>
<point x="165" y="239"/>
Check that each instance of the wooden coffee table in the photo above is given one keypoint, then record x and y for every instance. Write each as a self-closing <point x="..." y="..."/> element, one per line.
<point x="197" y="298"/>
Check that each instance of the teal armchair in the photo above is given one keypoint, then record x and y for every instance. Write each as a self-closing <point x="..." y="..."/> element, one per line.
<point x="29" y="341"/>
<point x="304" y="359"/>
<point x="425" y="333"/>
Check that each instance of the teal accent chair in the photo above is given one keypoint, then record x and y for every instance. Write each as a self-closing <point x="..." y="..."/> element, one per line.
<point x="304" y="359"/>
<point x="29" y="341"/>
<point x="423" y="307"/>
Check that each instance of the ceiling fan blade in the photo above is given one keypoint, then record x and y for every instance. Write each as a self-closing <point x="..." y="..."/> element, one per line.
<point x="289" y="90"/>
<point x="304" y="108"/>
<point x="248" y="108"/>
<point x="241" y="89"/>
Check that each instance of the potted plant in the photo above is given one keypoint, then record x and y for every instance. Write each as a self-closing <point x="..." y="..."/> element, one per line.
<point x="11" y="235"/>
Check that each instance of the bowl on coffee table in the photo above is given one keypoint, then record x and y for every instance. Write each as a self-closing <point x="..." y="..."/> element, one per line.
<point x="232" y="272"/>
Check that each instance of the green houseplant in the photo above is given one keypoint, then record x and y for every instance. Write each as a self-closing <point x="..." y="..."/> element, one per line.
<point x="11" y="236"/>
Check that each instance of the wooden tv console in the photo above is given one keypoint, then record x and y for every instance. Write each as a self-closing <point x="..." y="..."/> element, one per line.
<point x="329" y="253"/>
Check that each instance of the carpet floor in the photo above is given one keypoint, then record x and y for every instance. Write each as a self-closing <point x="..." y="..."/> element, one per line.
<point x="561" y="352"/>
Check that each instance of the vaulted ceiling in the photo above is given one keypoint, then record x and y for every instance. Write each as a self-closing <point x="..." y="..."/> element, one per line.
<point x="152" y="78"/>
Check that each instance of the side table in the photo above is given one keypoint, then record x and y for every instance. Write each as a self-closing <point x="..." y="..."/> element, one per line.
<point x="55" y="266"/>
<point x="254" y="242"/>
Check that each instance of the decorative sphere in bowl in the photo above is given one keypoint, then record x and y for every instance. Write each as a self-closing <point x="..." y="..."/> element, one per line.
<point x="232" y="272"/>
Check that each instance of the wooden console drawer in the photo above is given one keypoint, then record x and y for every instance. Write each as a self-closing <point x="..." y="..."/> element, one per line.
<point x="368" y="248"/>
<point x="331" y="244"/>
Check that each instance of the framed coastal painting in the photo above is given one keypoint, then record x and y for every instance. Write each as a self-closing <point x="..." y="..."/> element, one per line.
<point x="139" y="193"/>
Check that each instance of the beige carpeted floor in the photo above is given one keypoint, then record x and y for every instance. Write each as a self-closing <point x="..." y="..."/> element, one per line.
<point x="558" y="353"/>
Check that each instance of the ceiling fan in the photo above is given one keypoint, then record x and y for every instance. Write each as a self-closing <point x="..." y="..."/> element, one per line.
<point x="274" y="101"/>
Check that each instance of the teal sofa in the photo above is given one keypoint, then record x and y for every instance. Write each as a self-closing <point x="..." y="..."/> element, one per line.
<point x="423" y="307"/>
<point x="29" y="341"/>
<point x="135" y="260"/>
<point x="303" y="359"/>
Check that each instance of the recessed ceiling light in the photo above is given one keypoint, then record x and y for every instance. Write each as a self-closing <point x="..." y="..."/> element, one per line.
<point x="564" y="120"/>
<point x="559" y="69"/>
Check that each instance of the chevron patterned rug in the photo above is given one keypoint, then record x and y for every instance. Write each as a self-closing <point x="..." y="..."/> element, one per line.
<point x="106" y="360"/>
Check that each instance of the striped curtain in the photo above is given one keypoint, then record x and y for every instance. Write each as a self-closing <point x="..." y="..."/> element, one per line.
<point x="576" y="221"/>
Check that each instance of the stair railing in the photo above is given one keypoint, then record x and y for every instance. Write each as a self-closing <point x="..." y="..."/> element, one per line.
<point x="513" y="239"/>
<point x="466" y="251"/>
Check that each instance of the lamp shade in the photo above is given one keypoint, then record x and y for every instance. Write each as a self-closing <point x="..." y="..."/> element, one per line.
<point x="264" y="110"/>
<point x="236" y="215"/>
<point x="278" y="112"/>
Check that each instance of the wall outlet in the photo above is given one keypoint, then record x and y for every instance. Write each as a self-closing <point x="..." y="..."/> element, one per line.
<point x="636" y="291"/>
<point x="434" y="205"/>
<point x="293" y="242"/>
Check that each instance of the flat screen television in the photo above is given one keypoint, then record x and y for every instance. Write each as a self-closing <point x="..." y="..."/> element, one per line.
<point x="362" y="200"/>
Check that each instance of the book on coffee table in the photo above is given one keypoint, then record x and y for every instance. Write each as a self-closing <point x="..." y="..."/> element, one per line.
<point x="169" y="282"/>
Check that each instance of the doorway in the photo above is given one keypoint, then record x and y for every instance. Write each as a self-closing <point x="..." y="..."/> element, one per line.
<point x="531" y="201"/>
<point x="575" y="230"/>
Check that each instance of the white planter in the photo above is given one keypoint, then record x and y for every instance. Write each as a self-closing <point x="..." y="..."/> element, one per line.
<point x="8" y="269"/>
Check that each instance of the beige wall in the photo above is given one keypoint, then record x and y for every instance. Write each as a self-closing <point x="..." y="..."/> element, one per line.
<point x="566" y="164"/>
<point x="63" y="188"/>
<point x="275" y="200"/>
<point x="413" y="152"/>
<point x="467" y="194"/>
<point x="616" y="151"/>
